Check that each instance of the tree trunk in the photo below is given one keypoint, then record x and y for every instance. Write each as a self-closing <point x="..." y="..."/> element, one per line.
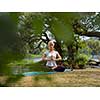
<point x="58" y="48"/>
<point x="71" y="60"/>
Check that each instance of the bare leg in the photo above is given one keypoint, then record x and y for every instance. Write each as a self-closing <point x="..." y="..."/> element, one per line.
<point x="54" y="67"/>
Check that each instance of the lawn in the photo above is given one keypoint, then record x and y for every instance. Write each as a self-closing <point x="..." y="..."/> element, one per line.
<point x="89" y="77"/>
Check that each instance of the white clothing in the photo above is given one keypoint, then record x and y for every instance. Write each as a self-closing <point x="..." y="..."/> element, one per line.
<point x="49" y="54"/>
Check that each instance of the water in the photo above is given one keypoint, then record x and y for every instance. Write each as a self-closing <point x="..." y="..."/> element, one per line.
<point x="37" y="60"/>
<point x="21" y="69"/>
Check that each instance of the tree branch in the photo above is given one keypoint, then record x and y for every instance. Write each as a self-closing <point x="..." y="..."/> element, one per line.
<point x="90" y="34"/>
<point x="38" y="45"/>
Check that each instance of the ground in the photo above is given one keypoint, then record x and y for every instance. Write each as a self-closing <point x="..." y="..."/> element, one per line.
<point x="89" y="77"/>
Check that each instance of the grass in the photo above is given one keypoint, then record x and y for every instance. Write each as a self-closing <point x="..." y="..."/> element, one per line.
<point x="5" y="81"/>
<point x="78" y="78"/>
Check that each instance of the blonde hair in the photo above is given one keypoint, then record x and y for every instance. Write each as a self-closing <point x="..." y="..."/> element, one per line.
<point x="51" y="42"/>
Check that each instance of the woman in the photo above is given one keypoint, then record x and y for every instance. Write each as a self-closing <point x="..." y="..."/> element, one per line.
<point x="51" y="56"/>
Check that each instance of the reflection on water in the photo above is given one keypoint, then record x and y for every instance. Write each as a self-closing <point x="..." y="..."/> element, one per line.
<point x="38" y="59"/>
<point x="19" y="70"/>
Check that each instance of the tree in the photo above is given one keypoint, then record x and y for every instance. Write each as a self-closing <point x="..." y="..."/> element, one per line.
<point x="34" y="27"/>
<point x="59" y="25"/>
<point x="88" y="25"/>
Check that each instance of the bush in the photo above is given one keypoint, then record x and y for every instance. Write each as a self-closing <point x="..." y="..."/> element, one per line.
<point x="81" y="60"/>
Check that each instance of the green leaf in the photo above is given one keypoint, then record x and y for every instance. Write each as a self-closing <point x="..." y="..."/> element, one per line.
<point x="11" y="47"/>
<point x="62" y="31"/>
<point x="67" y="17"/>
<point x="61" y="25"/>
<point x="37" y="24"/>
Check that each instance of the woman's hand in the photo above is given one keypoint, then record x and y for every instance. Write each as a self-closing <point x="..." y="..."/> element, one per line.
<point x="44" y="58"/>
<point x="53" y="58"/>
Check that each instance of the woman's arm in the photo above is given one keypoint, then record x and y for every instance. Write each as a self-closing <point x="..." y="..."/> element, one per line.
<point x="58" y="57"/>
<point x="44" y="57"/>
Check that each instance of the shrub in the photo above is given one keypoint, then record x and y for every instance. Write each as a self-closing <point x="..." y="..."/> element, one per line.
<point x="81" y="60"/>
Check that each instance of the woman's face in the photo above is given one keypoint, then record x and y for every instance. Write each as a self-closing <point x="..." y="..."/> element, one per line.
<point x="51" y="46"/>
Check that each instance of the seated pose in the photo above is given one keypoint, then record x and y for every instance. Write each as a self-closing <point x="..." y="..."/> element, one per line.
<point x="51" y="56"/>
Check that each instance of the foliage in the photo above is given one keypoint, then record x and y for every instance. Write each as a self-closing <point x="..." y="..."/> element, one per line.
<point x="61" y="26"/>
<point x="81" y="60"/>
<point x="78" y="47"/>
<point x="31" y="26"/>
<point x="88" y="25"/>
<point x="11" y="45"/>
<point x="36" y="28"/>
<point x="91" y="22"/>
<point x="94" y="45"/>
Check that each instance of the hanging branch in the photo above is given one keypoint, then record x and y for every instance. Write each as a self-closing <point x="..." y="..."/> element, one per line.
<point x="38" y="45"/>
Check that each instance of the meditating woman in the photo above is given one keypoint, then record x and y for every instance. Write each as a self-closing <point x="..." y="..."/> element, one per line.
<point x="51" y="56"/>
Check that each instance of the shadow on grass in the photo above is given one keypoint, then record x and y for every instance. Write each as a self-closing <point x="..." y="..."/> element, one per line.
<point x="11" y="79"/>
<point x="42" y="77"/>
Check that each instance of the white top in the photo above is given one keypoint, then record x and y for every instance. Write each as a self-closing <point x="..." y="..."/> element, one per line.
<point x="49" y="54"/>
